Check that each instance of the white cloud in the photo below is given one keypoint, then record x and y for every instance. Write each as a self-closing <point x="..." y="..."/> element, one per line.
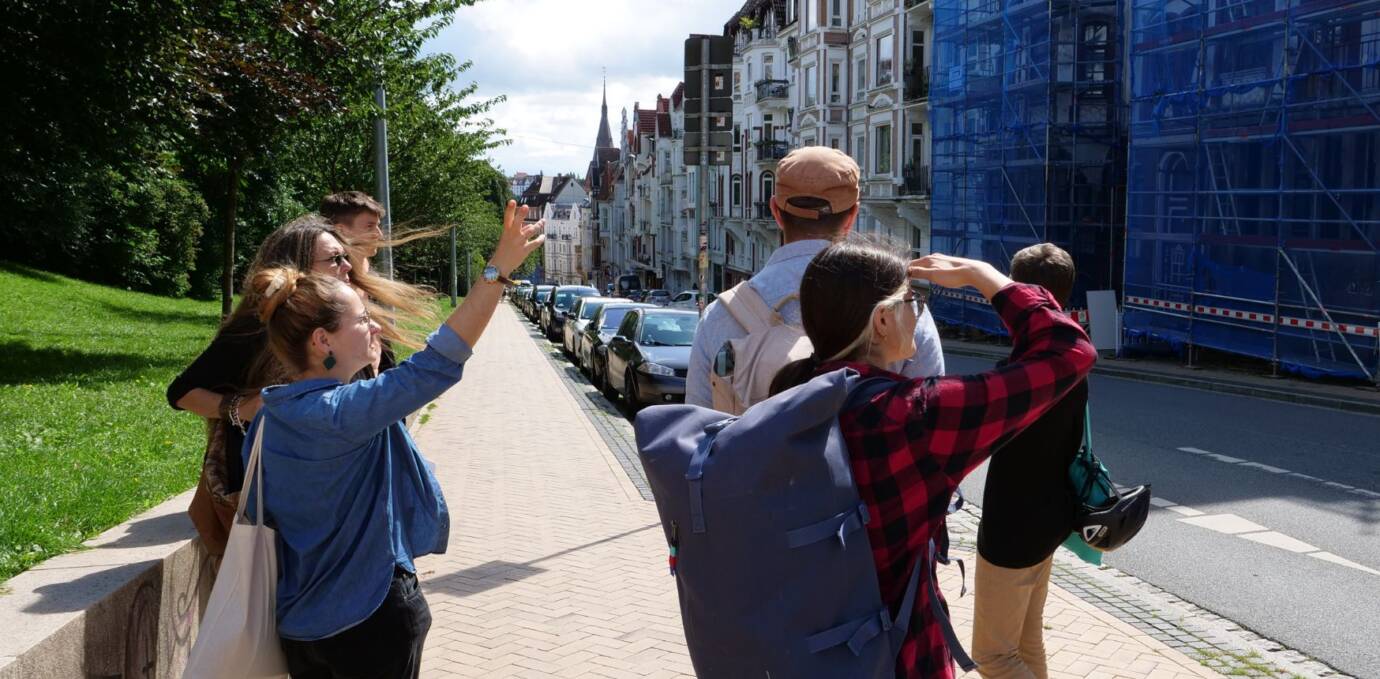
<point x="546" y="56"/>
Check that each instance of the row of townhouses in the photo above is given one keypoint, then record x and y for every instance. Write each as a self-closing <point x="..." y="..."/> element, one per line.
<point x="850" y="74"/>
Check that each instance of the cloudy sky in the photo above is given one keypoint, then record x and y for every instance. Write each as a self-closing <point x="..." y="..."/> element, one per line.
<point x="547" y="57"/>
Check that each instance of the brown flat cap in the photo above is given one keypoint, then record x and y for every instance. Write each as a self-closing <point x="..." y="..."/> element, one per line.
<point x="816" y="172"/>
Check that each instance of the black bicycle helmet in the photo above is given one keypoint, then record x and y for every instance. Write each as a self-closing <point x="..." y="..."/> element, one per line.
<point x="1115" y="523"/>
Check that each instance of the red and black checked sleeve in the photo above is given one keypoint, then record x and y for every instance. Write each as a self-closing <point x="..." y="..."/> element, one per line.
<point x="965" y="417"/>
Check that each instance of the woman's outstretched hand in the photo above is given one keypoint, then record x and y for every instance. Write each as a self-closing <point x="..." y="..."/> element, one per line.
<point x="957" y="272"/>
<point x="518" y="239"/>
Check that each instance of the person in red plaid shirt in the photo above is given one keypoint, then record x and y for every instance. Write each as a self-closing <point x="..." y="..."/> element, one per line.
<point x="911" y="445"/>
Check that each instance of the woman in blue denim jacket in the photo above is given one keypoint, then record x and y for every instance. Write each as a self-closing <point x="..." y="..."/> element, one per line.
<point x="344" y="484"/>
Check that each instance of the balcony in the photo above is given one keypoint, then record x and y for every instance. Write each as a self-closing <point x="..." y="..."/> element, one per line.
<point x="916" y="180"/>
<point x="740" y="261"/>
<point x="768" y="90"/>
<point x="762" y="210"/>
<point x="917" y="84"/>
<point x="771" y="151"/>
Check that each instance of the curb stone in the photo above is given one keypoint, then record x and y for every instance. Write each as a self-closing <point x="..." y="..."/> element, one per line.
<point x="1215" y="642"/>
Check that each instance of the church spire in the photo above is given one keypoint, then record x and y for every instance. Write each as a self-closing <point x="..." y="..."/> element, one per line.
<point x="605" y="139"/>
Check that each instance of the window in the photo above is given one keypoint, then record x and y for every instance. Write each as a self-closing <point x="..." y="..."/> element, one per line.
<point x="768" y="185"/>
<point x="811" y="87"/>
<point x="737" y="80"/>
<point x="811" y="14"/>
<point x="768" y="62"/>
<point x="862" y="75"/>
<point x="749" y="71"/>
<point x="833" y="142"/>
<point x="737" y="190"/>
<point x="629" y="325"/>
<point x="790" y="12"/>
<point x="917" y="144"/>
<point x="917" y="50"/>
<point x="836" y="13"/>
<point x="860" y="150"/>
<point x="836" y="82"/>
<point x="885" y="56"/>
<point x="737" y="138"/>
<point x="883" y="155"/>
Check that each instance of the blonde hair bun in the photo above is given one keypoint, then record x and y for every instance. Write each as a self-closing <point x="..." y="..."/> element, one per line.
<point x="274" y="287"/>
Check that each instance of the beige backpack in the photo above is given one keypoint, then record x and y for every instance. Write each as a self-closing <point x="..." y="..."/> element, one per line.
<point x="744" y="368"/>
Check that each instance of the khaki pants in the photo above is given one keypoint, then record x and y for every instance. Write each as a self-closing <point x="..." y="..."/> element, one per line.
<point x="1008" y="620"/>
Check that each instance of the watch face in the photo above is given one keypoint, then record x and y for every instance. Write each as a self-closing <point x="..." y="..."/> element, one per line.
<point x="490" y="273"/>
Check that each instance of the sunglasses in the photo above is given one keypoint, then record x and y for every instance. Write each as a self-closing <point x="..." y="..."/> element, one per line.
<point x="337" y="260"/>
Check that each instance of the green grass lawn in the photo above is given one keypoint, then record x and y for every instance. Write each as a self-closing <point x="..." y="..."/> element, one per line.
<point x="86" y="436"/>
<point x="87" y="439"/>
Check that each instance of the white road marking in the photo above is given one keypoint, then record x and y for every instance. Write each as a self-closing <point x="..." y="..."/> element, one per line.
<point x="1228" y="459"/>
<point x="1282" y="541"/>
<point x="1333" y="558"/>
<point x="1266" y="467"/>
<point x="1230" y="524"/>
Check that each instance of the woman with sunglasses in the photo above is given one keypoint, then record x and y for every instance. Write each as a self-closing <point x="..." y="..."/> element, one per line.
<point x="910" y="445"/>
<point x="222" y="384"/>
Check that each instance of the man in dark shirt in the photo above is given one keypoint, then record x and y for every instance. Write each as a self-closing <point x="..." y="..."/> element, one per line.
<point x="1027" y="510"/>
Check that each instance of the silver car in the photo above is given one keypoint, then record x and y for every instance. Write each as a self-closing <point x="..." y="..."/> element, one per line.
<point x="573" y="329"/>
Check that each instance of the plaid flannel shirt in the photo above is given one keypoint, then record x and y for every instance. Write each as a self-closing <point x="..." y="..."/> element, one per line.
<point x="912" y="445"/>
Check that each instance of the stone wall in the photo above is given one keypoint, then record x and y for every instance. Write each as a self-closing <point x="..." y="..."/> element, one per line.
<point x="128" y="606"/>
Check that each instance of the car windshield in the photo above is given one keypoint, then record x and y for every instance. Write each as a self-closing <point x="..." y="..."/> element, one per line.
<point x="589" y="309"/>
<point x="565" y="298"/>
<point x="544" y="295"/>
<point x="669" y="330"/>
<point x="614" y="317"/>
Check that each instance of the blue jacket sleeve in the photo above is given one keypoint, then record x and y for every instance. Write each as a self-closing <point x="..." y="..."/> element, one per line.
<point x="358" y="411"/>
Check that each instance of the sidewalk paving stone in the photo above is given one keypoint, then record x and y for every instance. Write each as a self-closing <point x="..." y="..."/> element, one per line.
<point x="557" y="563"/>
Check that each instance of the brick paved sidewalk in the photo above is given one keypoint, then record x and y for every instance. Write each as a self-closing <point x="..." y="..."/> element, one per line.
<point x="556" y="565"/>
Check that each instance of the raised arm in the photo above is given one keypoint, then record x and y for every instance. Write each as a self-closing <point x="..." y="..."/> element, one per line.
<point x="361" y="409"/>
<point x="966" y="417"/>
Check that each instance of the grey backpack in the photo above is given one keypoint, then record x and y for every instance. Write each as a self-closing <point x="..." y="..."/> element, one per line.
<point x="766" y="529"/>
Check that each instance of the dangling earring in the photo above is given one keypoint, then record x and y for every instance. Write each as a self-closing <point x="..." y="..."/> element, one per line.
<point x="330" y="359"/>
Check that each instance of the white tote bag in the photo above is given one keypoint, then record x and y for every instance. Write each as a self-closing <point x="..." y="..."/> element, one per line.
<point x="238" y="638"/>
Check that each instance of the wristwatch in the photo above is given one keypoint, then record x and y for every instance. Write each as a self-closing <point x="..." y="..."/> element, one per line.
<point x="491" y="275"/>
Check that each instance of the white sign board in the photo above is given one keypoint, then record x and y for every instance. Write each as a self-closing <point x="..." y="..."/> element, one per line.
<point x="1104" y="325"/>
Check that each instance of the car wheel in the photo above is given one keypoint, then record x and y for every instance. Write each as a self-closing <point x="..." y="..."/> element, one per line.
<point x="601" y="374"/>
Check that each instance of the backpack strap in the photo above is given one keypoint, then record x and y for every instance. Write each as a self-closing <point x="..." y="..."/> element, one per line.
<point x="747" y="307"/>
<point x="946" y="625"/>
<point x="856" y="634"/>
<point x="695" y="474"/>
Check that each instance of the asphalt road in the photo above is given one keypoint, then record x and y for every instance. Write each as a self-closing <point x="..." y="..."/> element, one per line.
<point x="1276" y="516"/>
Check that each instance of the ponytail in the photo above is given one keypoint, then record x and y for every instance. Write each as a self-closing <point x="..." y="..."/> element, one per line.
<point x="794" y="374"/>
<point x="293" y="305"/>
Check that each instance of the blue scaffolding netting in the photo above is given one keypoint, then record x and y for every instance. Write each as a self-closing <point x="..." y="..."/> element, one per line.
<point x="1253" y="209"/>
<point x="1029" y="139"/>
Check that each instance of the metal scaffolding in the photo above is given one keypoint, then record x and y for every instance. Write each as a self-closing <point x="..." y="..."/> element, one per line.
<point x="1253" y="211"/>
<point x="1029" y="139"/>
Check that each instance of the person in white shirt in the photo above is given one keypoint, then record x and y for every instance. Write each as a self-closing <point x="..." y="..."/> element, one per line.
<point x="816" y="203"/>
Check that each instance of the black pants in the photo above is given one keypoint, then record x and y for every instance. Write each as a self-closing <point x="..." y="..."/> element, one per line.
<point x="387" y="645"/>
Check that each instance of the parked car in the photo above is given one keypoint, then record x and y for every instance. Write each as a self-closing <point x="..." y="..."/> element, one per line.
<point x="554" y="309"/>
<point x="636" y="295"/>
<point x="572" y="331"/>
<point x="648" y="357"/>
<point x="658" y="297"/>
<point x="538" y="298"/>
<point x="591" y="350"/>
<point x="689" y="299"/>
<point x="520" y="292"/>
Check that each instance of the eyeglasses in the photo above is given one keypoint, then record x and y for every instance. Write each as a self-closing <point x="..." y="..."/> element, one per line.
<point x="337" y="260"/>
<point x="915" y="302"/>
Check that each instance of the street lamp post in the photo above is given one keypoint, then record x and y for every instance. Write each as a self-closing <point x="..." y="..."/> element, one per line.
<point x="385" y="258"/>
